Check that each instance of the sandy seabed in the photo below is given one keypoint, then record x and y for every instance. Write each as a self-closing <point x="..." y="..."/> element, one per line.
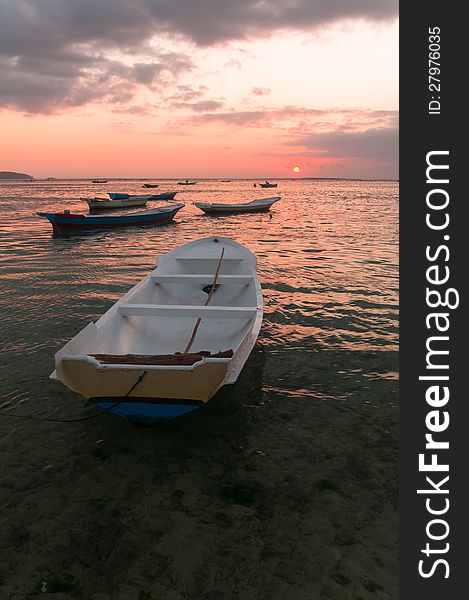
<point x="258" y="496"/>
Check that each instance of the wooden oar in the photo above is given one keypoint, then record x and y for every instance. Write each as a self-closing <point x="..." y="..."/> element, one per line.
<point x="212" y="290"/>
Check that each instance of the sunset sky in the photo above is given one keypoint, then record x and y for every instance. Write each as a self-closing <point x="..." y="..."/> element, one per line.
<point x="199" y="88"/>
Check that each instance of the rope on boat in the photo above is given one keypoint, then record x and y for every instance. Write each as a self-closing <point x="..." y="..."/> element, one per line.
<point x="87" y="418"/>
<point x="132" y="388"/>
<point x="101" y="411"/>
<point x="212" y="290"/>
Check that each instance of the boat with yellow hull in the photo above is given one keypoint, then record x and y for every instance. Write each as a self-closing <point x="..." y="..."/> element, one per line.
<point x="177" y="337"/>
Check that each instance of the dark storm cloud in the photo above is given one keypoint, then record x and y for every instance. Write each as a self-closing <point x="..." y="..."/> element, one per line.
<point x="52" y="51"/>
<point x="44" y="86"/>
<point x="42" y="27"/>
<point x="210" y="21"/>
<point x="146" y="73"/>
<point x="380" y="143"/>
<point x="338" y="133"/>
<point x="297" y="119"/>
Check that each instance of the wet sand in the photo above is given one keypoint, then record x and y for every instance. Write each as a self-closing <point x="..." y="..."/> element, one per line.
<point x="283" y="488"/>
<point x="257" y="496"/>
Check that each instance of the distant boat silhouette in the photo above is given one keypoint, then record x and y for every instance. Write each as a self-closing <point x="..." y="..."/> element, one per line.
<point x="268" y="185"/>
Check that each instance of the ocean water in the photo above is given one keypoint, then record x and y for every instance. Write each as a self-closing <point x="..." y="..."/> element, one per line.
<point x="284" y="486"/>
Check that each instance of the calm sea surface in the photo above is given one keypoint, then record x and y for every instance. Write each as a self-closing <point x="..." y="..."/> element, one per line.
<point x="283" y="486"/>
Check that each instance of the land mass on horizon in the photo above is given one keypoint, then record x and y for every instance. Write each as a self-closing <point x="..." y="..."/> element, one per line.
<point x="14" y="175"/>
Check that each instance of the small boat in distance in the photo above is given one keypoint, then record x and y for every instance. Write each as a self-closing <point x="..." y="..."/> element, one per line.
<point x="267" y="185"/>
<point x="260" y="205"/>
<point x="108" y="204"/>
<point x="150" y="185"/>
<point x="225" y="180"/>
<point x="116" y="200"/>
<point x="187" y="182"/>
<point x="99" y="180"/>
<point x="66" y="222"/>
<point x="165" y="348"/>
<point x="164" y="196"/>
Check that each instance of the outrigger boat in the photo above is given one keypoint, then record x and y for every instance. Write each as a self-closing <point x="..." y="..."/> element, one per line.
<point x="187" y="182"/>
<point x="150" y="185"/>
<point x="174" y="339"/>
<point x="67" y="222"/>
<point x="260" y="205"/>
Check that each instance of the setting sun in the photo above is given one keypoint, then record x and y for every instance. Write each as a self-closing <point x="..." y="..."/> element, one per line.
<point x="296" y="169"/>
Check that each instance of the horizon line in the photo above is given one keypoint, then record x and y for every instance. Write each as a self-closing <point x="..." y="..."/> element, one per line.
<point x="27" y="180"/>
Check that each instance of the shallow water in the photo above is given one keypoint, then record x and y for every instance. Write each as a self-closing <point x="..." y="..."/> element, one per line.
<point x="284" y="486"/>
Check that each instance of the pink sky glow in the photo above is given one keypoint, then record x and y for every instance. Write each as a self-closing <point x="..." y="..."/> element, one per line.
<point x="244" y="94"/>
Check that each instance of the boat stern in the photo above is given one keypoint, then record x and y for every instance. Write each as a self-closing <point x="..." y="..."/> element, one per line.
<point x="144" y="393"/>
<point x="147" y="411"/>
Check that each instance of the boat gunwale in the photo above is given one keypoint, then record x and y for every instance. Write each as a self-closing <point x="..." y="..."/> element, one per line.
<point x="241" y="351"/>
<point x="252" y="203"/>
<point x="136" y="367"/>
<point x="72" y="217"/>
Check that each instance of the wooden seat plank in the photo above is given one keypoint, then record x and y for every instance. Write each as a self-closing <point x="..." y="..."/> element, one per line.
<point x="174" y="310"/>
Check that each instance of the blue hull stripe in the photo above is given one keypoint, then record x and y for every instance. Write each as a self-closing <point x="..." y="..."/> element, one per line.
<point x="117" y="220"/>
<point x="146" y="412"/>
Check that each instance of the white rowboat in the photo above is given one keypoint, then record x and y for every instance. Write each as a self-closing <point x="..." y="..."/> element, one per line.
<point x="125" y="201"/>
<point x="260" y="205"/>
<point x="174" y="339"/>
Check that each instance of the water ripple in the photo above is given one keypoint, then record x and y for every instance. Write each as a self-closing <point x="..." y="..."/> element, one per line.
<point x="327" y="260"/>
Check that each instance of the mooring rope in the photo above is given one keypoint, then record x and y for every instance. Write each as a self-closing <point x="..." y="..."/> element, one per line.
<point x="210" y="294"/>
<point x="101" y="411"/>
